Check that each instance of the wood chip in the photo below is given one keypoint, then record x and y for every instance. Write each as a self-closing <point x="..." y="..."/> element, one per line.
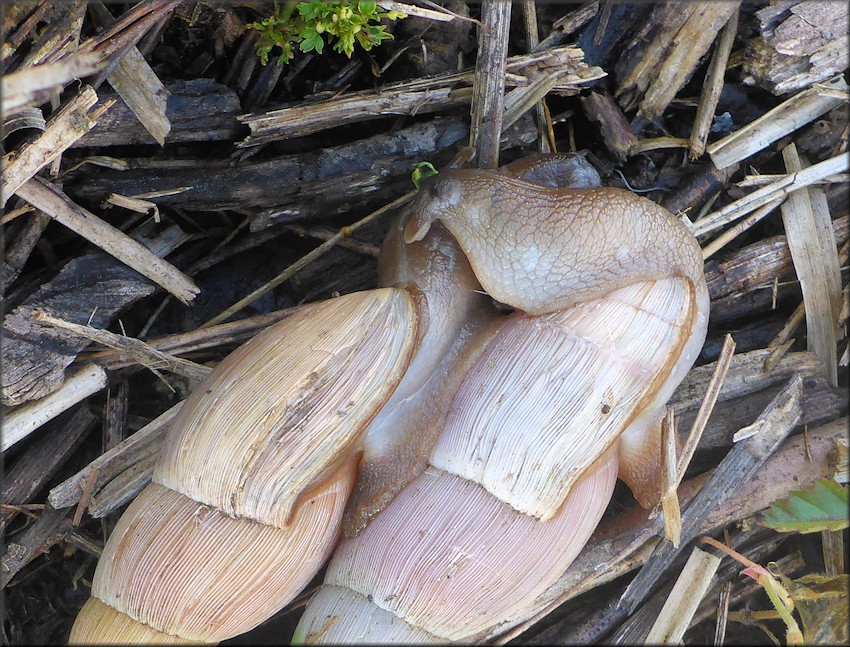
<point x="689" y="590"/>
<point x="68" y="125"/>
<point x="20" y="422"/>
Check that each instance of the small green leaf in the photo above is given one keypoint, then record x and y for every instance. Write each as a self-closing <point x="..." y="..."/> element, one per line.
<point x="422" y="171"/>
<point x="312" y="41"/>
<point x="822" y="506"/>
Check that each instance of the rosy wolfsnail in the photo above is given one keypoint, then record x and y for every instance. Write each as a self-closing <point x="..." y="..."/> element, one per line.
<point x="484" y="446"/>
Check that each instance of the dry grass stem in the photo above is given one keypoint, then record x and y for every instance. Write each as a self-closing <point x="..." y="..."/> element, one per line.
<point x="47" y="197"/>
<point x="670" y="498"/>
<point x="21" y="421"/>
<point x="306" y="260"/>
<point x="181" y="343"/>
<point x="790" y="115"/>
<point x="689" y="590"/>
<point x="724" y="361"/>
<point x="808" y="227"/>
<point x="776" y="190"/>
<point x="141" y="352"/>
<point x="722" y="614"/>
<point x="739" y="228"/>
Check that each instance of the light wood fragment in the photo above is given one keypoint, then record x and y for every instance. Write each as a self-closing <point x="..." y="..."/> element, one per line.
<point x="689" y="590"/>
<point x="712" y="87"/>
<point x="142" y="444"/>
<point x="801" y="42"/>
<point x="790" y="115"/>
<point x="47" y="197"/>
<point x="776" y="190"/>
<point x="33" y="85"/>
<point x="70" y="123"/>
<point x="143" y="93"/>
<point x="488" y="87"/>
<point x="20" y="422"/>
<point x="678" y="36"/>
<point x="808" y="227"/>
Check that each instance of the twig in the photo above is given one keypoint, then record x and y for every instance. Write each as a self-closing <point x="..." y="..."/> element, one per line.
<point x="545" y="134"/>
<point x="140" y="351"/>
<point x="306" y="260"/>
<point x="776" y="190"/>
<point x="20" y="422"/>
<point x="712" y="87"/>
<point x="488" y="88"/>
<point x="722" y="614"/>
<point x="47" y="197"/>
<point x="788" y="116"/>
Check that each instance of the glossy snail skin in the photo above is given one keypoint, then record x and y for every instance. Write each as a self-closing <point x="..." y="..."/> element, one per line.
<point x="611" y="311"/>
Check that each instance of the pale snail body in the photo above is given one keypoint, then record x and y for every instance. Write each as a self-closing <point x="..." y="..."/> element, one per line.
<point x="429" y="354"/>
<point x="556" y="402"/>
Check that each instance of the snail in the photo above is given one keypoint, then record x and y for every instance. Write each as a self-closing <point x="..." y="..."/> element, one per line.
<point x="467" y="454"/>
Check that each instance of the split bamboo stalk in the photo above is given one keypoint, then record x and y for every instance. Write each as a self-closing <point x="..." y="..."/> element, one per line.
<point x="682" y="603"/>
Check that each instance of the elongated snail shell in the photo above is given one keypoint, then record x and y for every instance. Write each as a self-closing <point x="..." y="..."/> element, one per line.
<point x="249" y="492"/>
<point x="611" y="312"/>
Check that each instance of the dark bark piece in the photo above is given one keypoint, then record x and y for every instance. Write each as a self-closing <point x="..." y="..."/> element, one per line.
<point x="36" y="540"/>
<point x="758" y="264"/>
<point x="199" y="110"/>
<point x="327" y="181"/>
<point x="19" y="251"/>
<point x="820" y="404"/>
<point x="801" y="43"/>
<point x="92" y="289"/>
<point x="32" y="470"/>
<point x="613" y="125"/>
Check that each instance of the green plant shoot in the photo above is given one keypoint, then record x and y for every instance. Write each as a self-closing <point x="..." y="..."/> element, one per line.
<point x="308" y="24"/>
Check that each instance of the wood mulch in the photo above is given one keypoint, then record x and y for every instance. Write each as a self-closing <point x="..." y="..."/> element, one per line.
<point x="167" y="197"/>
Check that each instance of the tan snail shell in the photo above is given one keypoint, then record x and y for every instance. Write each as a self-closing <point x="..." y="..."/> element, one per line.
<point x="481" y="448"/>
<point x="612" y="310"/>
